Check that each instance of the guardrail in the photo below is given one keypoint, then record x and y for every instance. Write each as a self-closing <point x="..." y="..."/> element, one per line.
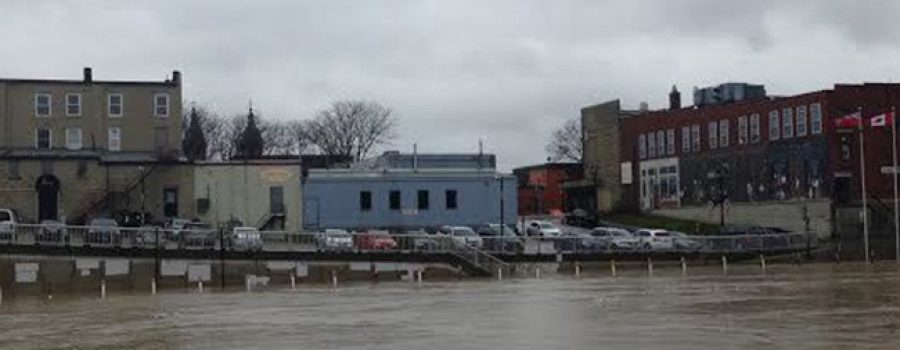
<point x="471" y="247"/>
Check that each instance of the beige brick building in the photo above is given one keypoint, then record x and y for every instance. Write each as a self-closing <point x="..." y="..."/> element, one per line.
<point x="601" y="127"/>
<point x="74" y="149"/>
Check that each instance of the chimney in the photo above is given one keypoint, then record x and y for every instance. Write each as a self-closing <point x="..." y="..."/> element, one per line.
<point x="88" y="75"/>
<point x="176" y="77"/>
<point x="674" y="99"/>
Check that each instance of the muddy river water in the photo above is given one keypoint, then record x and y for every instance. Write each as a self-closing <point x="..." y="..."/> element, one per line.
<point x="792" y="307"/>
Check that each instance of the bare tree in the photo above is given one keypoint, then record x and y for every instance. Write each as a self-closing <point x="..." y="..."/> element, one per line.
<point x="567" y="142"/>
<point x="351" y="128"/>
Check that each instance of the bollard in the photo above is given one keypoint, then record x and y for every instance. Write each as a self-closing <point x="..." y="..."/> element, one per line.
<point x="247" y="282"/>
<point x="499" y="273"/>
<point x="293" y="282"/>
<point x="649" y="266"/>
<point x="612" y="267"/>
<point x="762" y="262"/>
<point x="724" y="264"/>
<point x="537" y="272"/>
<point x="200" y="287"/>
<point x="419" y="276"/>
<point x="683" y="267"/>
<point x="334" y="279"/>
<point x="152" y="286"/>
<point x="577" y="270"/>
<point x="102" y="289"/>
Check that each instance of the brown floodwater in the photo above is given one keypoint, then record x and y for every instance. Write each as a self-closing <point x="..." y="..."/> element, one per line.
<point x="792" y="307"/>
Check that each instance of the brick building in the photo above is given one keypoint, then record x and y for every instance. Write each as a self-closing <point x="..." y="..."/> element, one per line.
<point x="779" y="161"/>
<point x="540" y="187"/>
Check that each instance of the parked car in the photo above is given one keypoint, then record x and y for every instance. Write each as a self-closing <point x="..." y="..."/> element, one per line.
<point x="332" y="239"/>
<point x="51" y="232"/>
<point x="196" y="234"/>
<point x="540" y="228"/>
<point x="103" y="231"/>
<point x="681" y="241"/>
<point x="655" y="239"/>
<point x="497" y="240"/>
<point x="175" y="225"/>
<point x="422" y="240"/>
<point x="244" y="238"/>
<point x="463" y="236"/>
<point x="578" y="242"/>
<point x="615" y="238"/>
<point x="8" y="221"/>
<point x="146" y="236"/>
<point x="375" y="240"/>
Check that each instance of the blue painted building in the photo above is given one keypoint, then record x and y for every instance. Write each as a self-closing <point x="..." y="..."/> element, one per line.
<point x="404" y="191"/>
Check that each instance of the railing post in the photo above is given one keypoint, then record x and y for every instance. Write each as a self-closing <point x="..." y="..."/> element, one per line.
<point x="293" y="282"/>
<point x="334" y="279"/>
<point x="200" y="287"/>
<point x="103" y="289"/>
<point x="153" y="286"/>
<point x="683" y="266"/>
<point x="724" y="264"/>
<point x="612" y="267"/>
<point x="649" y="266"/>
<point x="577" y="269"/>
<point x="762" y="262"/>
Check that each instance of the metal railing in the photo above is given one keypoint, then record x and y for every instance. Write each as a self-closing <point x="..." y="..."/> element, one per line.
<point x="480" y="250"/>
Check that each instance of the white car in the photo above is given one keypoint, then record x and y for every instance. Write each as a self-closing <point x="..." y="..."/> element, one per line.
<point x="616" y="238"/>
<point x="542" y="229"/>
<point x="655" y="239"/>
<point x="463" y="236"/>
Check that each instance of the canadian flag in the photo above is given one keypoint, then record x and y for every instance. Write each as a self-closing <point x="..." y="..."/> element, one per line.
<point x="883" y="119"/>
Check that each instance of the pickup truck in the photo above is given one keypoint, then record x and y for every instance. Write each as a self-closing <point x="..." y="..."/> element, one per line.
<point x="8" y="221"/>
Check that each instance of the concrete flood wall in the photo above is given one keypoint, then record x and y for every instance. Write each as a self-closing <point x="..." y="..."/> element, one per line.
<point x="42" y="276"/>
<point x="788" y="215"/>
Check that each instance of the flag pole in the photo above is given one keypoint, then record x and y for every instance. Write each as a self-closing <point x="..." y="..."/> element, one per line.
<point x="896" y="208"/>
<point x="862" y="177"/>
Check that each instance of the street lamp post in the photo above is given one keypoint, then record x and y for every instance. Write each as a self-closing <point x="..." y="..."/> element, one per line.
<point x="719" y="177"/>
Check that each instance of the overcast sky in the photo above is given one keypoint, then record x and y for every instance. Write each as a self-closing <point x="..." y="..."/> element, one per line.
<point x="455" y="71"/>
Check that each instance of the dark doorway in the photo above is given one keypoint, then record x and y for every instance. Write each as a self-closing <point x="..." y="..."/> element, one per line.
<point x="47" y="188"/>
<point x="170" y="202"/>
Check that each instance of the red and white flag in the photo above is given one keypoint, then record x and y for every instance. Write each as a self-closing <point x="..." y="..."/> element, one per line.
<point x="883" y="119"/>
<point x="849" y="121"/>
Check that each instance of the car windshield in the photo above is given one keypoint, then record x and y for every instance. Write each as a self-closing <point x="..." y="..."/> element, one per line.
<point x="463" y="232"/>
<point x="104" y="222"/>
<point x="620" y="233"/>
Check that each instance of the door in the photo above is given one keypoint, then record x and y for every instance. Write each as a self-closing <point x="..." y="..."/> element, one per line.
<point x="47" y="188"/>
<point x="170" y="202"/>
<point x="276" y="200"/>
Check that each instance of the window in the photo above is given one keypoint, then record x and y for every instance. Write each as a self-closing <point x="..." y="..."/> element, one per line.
<point x="695" y="138"/>
<point x="754" y="128"/>
<point x="670" y="142"/>
<point x="450" y="199"/>
<point x="815" y="119"/>
<point x="660" y="143"/>
<point x="642" y="146"/>
<point x="774" y="126"/>
<point x="651" y="145"/>
<point x="787" y="118"/>
<point x="73" y="105"/>
<point x="13" y="168"/>
<point x="114" y="105"/>
<point x="685" y="139"/>
<point x="742" y="130"/>
<point x="42" y="104"/>
<point x="73" y="138"/>
<point x="394" y="200"/>
<point x="43" y="139"/>
<point x="161" y="105"/>
<point x="724" y="125"/>
<point x="365" y="200"/>
<point x="114" y="139"/>
<point x="422" y="200"/>
<point x="801" y="121"/>
<point x="713" y="128"/>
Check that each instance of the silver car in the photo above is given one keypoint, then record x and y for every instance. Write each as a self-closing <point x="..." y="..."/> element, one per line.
<point x="244" y="238"/>
<point x="616" y="238"/>
<point x="103" y="231"/>
<point x="332" y="239"/>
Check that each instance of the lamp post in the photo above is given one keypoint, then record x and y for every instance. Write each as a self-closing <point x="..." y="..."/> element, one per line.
<point x="719" y="176"/>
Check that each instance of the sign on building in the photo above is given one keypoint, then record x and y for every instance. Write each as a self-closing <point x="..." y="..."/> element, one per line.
<point x="626" y="173"/>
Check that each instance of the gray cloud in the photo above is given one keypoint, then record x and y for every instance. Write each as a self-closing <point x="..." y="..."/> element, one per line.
<point x="455" y="72"/>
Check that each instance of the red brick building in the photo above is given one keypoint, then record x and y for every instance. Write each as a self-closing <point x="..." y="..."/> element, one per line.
<point x="783" y="149"/>
<point x="540" y="188"/>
